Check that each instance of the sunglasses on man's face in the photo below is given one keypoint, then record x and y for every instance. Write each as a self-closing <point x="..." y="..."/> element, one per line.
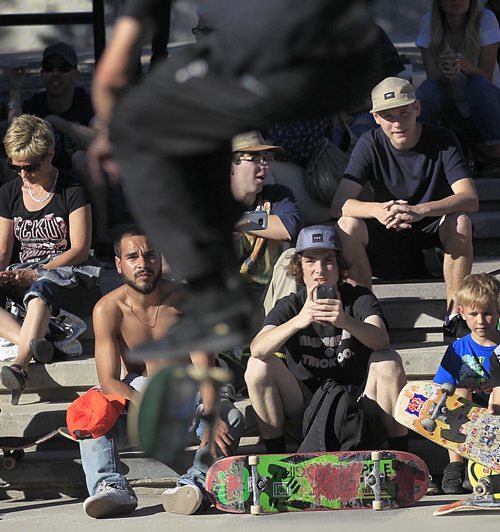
<point x="60" y="67"/>
<point x="29" y="168"/>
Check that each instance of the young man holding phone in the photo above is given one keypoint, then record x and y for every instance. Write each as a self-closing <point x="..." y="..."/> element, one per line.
<point x="329" y="329"/>
<point x="272" y="216"/>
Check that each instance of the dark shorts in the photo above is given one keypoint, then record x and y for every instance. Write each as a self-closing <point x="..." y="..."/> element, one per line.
<point x="396" y="255"/>
<point x="78" y="300"/>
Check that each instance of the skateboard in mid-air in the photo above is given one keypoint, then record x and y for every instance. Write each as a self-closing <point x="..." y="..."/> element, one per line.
<point x="349" y="480"/>
<point x="160" y="418"/>
<point x="13" y="447"/>
<point x="436" y="412"/>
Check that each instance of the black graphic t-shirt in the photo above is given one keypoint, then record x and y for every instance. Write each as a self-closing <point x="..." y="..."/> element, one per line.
<point x="41" y="234"/>
<point x="325" y="351"/>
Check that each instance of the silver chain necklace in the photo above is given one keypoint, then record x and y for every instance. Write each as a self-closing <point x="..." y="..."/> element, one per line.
<point x="43" y="200"/>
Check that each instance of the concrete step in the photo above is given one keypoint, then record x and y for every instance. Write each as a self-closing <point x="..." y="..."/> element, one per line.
<point x="488" y="190"/>
<point x="65" y="377"/>
<point x="486" y="224"/>
<point x="45" y="474"/>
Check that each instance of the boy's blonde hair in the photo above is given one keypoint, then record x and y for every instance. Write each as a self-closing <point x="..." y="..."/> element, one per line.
<point x="28" y="137"/>
<point x="479" y="290"/>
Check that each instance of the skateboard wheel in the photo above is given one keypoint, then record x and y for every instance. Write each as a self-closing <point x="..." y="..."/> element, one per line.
<point x="255" y="509"/>
<point x="429" y="425"/>
<point x="253" y="460"/>
<point x="448" y="388"/>
<point x="376" y="455"/>
<point x="483" y="487"/>
<point x="9" y="462"/>
<point x="377" y="505"/>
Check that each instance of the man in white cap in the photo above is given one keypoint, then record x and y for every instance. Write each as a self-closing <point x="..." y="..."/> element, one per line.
<point x="421" y="191"/>
<point x="340" y="335"/>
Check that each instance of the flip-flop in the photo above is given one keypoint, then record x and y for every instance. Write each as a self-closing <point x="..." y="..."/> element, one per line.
<point x="14" y="379"/>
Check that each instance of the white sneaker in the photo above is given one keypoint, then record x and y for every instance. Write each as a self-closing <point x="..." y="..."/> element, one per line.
<point x="109" y="501"/>
<point x="183" y="500"/>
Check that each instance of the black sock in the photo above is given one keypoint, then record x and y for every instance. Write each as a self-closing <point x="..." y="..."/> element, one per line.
<point x="398" y="444"/>
<point x="275" y="445"/>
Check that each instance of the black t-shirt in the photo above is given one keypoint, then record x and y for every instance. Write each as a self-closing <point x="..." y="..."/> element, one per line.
<point x="45" y="233"/>
<point x="80" y="112"/>
<point x="495" y="368"/>
<point x="322" y="351"/>
<point x="419" y="175"/>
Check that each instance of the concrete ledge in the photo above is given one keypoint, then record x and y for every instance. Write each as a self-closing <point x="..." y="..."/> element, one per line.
<point x="74" y="373"/>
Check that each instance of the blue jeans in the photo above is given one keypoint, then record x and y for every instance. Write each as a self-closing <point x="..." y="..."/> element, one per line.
<point x="197" y="472"/>
<point x="484" y="102"/>
<point x="101" y="459"/>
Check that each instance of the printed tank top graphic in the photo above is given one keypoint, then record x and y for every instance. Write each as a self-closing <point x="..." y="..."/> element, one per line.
<point x="41" y="238"/>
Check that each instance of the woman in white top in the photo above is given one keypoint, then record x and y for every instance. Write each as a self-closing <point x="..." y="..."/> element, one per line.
<point x="459" y="41"/>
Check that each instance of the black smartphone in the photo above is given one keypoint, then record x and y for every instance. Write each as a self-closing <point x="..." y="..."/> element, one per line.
<point x="256" y="220"/>
<point x="325" y="292"/>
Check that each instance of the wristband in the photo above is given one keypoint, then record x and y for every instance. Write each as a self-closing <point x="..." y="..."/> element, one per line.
<point x="13" y="105"/>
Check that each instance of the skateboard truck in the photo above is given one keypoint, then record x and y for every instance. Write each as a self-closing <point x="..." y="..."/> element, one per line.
<point x="487" y="486"/>
<point x="429" y="424"/>
<point x="373" y="481"/>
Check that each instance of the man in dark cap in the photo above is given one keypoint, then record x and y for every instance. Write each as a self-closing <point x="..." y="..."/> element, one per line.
<point x="65" y="106"/>
<point x="329" y="329"/>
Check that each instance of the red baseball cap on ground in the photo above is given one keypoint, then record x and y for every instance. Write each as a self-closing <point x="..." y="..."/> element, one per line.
<point x="93" y="414"/>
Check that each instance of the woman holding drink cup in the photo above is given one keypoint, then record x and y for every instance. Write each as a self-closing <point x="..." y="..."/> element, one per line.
<point x="459" y="42"/>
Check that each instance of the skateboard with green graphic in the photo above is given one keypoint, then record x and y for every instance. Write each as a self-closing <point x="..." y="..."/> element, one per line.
<point x="349" y="480"/>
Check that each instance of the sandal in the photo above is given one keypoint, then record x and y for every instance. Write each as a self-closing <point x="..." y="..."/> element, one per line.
<point x="42" y="350"/>
<point x="14" y="379"/>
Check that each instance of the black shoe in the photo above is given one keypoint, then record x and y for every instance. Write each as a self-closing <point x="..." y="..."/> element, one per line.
<point x="453" y="478"/>
<point x="14" y="378"/>
<point x="433" y="488"/>
<point x="454" y="329"/>
<point x="214" y="320"/>
<point x="42" y="350"/>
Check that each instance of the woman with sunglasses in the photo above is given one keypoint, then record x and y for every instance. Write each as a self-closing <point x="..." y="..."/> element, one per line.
<point x="45" y="233"/>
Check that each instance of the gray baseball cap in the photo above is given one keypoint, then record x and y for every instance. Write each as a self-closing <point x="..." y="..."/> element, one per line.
<point x="390" y="93"/>
<point x="318" y="237"/>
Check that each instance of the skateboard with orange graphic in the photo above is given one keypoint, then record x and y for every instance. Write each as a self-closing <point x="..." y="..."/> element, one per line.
<point x="436" y="412"/>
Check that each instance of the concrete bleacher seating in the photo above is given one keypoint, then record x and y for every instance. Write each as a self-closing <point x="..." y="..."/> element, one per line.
<point x="415" y="312"/>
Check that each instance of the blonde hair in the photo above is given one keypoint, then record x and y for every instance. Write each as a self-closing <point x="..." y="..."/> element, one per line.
<point x="479" y="290"/>
<point x="439" y="26"/>
<point x="28" y="137"/>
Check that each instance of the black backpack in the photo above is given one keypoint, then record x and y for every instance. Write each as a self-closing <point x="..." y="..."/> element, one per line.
<point x="335" y="420"/>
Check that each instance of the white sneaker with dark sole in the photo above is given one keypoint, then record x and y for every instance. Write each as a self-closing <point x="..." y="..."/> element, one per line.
<point x="109" y="501"/>
<point x="183" y="500"/>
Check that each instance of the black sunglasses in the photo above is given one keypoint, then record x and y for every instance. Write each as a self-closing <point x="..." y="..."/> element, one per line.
<point x="30" y="168"/>
<point x="62" y="67"/>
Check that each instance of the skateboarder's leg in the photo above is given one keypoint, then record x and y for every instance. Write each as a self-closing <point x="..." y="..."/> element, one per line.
<point x="189" y="496"/>
<point x="275" y="395"/>
<point x="386" y="378"/>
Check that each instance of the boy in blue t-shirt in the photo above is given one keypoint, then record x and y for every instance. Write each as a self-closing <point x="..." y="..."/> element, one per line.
<point x="466" y="363"/>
